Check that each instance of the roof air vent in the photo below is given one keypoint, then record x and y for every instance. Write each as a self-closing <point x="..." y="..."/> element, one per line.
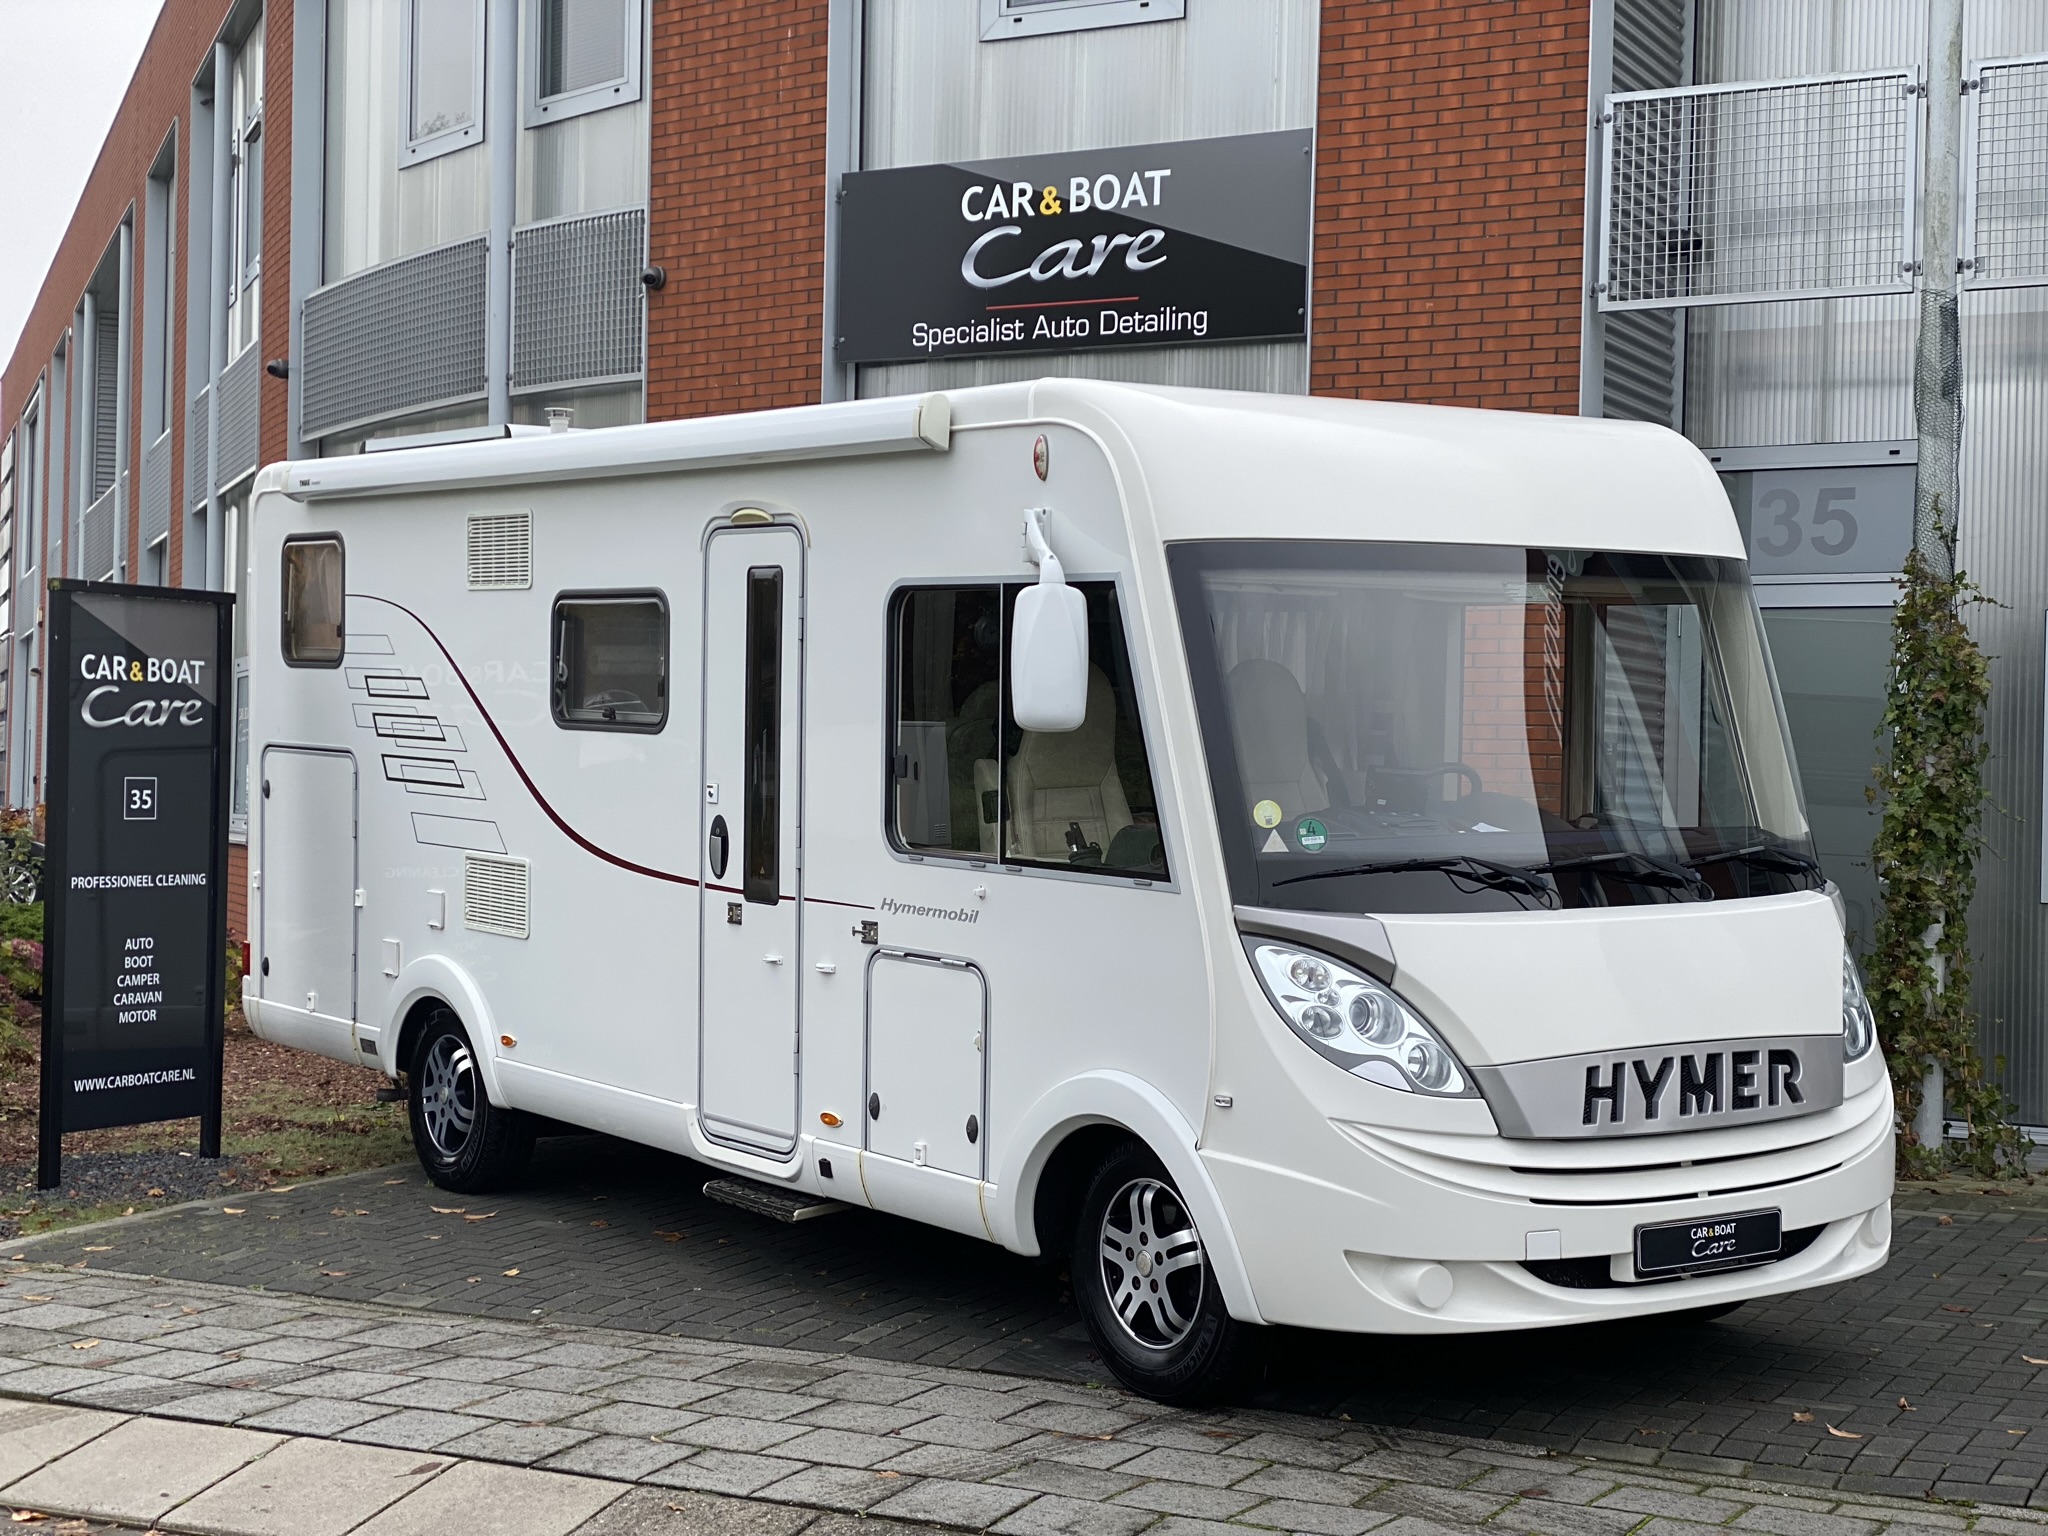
<point x="500" y="551"/>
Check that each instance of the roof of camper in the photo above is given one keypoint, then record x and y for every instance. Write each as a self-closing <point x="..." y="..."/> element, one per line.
<point x="1197" y="463"/>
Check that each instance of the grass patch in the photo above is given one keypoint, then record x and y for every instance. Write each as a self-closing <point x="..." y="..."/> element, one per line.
<point x="277" y="1133"/>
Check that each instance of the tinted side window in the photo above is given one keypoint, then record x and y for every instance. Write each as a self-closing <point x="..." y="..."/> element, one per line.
<point x="966" y="780"/>
<point x="313" y="602"/>
<point x="611" y="662"/>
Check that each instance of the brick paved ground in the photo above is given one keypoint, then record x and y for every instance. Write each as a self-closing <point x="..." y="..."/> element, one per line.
<point x="619" y="1237"/>
<point x="891" y="1441"/>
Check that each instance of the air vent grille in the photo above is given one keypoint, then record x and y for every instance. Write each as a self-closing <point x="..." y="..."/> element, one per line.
<point x="500" y="551"/>
<point x="494" y="895"/>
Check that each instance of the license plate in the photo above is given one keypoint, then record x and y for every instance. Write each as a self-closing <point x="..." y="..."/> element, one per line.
<point x="1717" y="1242"/>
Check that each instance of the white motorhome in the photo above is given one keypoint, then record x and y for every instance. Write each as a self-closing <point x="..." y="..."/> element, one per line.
<point x="1302" y="861"/>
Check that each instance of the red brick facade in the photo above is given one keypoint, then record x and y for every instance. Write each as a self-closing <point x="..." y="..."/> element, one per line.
<point x="1450" y="202"/>
<point x="737" y="212"/>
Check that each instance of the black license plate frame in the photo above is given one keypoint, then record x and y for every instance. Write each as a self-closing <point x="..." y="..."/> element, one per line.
<point x="1733" y="1241"/>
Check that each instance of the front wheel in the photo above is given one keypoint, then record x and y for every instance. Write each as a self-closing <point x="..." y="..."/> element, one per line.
<point x="1143" y="1282"/>
<point x="464" y="1141"/>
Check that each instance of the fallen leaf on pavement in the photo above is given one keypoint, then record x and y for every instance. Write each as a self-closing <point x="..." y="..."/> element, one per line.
<point x="509" y="1272"/>
<point x="85" y="1343"/>
<point x="426" y="1466"/>
<point x="1843" y="1434"/>
<point x="187" y="1311"/>
<point x="234" y="1210"/>
<point x="337" y="1274"/>
<point x="669" y="1237"/>
<point x="1944" y="1221"/>
<point x="2028" y="1358"/>
<point x="35" y="1298"/>
<point x="1907" y="1406"/>
<point x="285" y="1189"/>
<point x="394" y="1181"/>
<point x="23" y="1516"/>
<point x="447" y="1210"/>
<point x="1532" y="1493"/>
<point x="474" y="1280"/>
<point x="1949" y="1306"/>
<point x="2038" y="1239"/>
<point x="600" y="1223"/>
<point x="155" y="1192"/>
<point x="486" y="1216"/>
<point x="2015" y="1431"/>
<point x="129" y="1212"/>
<point x="99" y="1247"/>
<point x="878" y="1474"/>
<point x="1802" y="1418"/>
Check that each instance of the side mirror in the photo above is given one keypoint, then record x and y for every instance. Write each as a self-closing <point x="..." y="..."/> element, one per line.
<point x="1048" y="644"/>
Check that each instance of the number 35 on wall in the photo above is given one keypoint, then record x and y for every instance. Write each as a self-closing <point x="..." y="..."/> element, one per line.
<point x="138" y="799"/>
<point x="1847" y="520"/>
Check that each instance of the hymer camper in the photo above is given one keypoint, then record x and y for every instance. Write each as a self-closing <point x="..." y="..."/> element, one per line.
<point x="1300" y="861"/>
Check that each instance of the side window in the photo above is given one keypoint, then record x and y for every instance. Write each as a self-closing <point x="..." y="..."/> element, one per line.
<point x="610" y="665"/>
<point x="966" y="780"/>
<point x="761" y="820"/>
<point x="313" y="602"/>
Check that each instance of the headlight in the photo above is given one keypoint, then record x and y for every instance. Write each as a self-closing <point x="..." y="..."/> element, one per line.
<point x="1358" y="1023"/>
<point x="1859" y="1025"/>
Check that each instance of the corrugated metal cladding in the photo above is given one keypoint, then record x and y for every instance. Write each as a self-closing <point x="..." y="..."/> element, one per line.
<point x="240" y="395"/>
<point x="579" y="314"/>
<point x="195" y="451"/>
<point x="1840" y="370"/>
<point x="932" y="90"/>
<point x="96" y="539"/>
<point x="106" y="382"/>
<point x="1640" y="364"/>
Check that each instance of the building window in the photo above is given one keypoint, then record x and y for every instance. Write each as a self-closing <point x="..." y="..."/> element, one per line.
<point x="238" y="787"/>
<point x="967" y="781"/>
<point x="312" y="602"/>
<point x="444" y="77"/>
<point x="586" y="57"/>
<point x="611" y="661"/>
<point x="245" y="194"/>
<point x="1033" y="18"/>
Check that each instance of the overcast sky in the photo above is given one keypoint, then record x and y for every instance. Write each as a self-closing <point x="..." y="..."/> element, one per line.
<point x="63" y="67"/>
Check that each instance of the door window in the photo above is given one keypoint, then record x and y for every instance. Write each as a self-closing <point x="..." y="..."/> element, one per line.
<point x="761" y="856"/>
<point x="965" y="780"/>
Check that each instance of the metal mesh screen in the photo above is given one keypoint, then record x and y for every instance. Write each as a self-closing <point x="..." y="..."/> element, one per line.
<point x="106" y="392"/>
<point x="240" y="391"/>
<point x="96" y="538"/>
<point x="2006" y="238"/>
<point x="195" y="450"/>
<point x="578" y="310"/>
<point x="1726" y="194"/>
<point x="156" y="490"/>
<point x="397" y="338"/>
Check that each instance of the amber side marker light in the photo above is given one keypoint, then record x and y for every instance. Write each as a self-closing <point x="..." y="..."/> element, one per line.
<point x="831" y="1119"/>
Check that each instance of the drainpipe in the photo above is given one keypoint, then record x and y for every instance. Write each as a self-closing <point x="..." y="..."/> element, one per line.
<point x="501" y="136"/>
<point x="124" y="339"/>
<point x="218" y="277"/>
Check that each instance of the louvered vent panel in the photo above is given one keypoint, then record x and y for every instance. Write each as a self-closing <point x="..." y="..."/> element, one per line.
<point x="500" y="551"/>
<point x="494" y="895"/>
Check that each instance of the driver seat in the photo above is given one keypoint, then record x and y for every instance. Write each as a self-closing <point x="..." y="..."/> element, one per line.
<point x="1269" y="724"/>
<point x="1060" y="779"/>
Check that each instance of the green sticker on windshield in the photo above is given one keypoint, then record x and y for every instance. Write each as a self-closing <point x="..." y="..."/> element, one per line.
<point x="1311" y="834"/>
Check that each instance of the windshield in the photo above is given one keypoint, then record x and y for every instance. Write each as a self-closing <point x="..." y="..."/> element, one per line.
<point x="1431" y="728"/>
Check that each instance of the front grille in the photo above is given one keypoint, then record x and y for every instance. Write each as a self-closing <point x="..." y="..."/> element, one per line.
<point x="1595" y="1272"/>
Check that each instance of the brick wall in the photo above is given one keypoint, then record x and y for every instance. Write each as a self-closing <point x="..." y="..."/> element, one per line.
<point x="1450" y="210"/>
<point x="1512" y="727"/>
<point x="738" y="105"/>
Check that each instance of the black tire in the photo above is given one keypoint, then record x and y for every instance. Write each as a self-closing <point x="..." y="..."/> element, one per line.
<point x="464" y="1141"/>
<point x="1159" y="1324"/>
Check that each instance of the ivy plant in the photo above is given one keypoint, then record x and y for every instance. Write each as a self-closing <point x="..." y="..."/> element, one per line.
<point x="1931" y="783"/>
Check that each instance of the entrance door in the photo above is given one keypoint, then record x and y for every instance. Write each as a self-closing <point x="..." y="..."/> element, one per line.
<point x="752" y="893"/>
<point x="308" y="890"/>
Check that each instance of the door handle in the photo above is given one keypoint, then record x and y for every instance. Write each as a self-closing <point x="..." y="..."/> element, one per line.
<point x="773" y="959"/>
<point x="721" y="847"/>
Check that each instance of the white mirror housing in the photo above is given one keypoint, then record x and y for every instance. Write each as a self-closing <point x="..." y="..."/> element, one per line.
<point x="1048" y="644"/>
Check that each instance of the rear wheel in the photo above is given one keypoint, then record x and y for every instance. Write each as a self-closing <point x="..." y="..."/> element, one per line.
<point x="464" y="1141"/>
<point x="1143" y="1281"/>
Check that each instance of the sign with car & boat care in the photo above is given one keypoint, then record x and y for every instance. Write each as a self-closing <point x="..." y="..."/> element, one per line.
<point x="135" y="952"/>
<point x="1142" y="246"/>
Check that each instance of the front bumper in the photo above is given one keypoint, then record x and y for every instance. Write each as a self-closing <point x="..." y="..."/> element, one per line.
<point x="1414" y="1233"/>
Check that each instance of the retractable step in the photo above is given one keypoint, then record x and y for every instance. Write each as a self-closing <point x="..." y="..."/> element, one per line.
<point x="770" y="1201"/>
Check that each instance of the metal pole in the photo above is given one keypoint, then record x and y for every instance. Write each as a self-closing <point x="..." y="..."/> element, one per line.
<point x="219" y="276"/>
<point x="1938" y="381"/>
<point x="83" y="431"/>
<point x="125" y="339"/>
<point x="501" y="137"/>
<point x="1937" y="356"/>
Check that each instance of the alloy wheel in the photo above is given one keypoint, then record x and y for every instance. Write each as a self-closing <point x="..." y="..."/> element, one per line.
<point x="1153" y="1264"/>
<point x="448" y="1095"/>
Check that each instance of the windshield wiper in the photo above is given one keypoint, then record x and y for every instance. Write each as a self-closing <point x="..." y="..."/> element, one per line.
<point x="1783" y="861"/>
<point x="1497" y="876"/>
<point x="1638" y="869"/>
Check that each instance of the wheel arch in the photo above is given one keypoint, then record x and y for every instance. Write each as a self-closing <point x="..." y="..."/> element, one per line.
<point x="1056" y="1146"/>
<point x="432" y="983"/>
